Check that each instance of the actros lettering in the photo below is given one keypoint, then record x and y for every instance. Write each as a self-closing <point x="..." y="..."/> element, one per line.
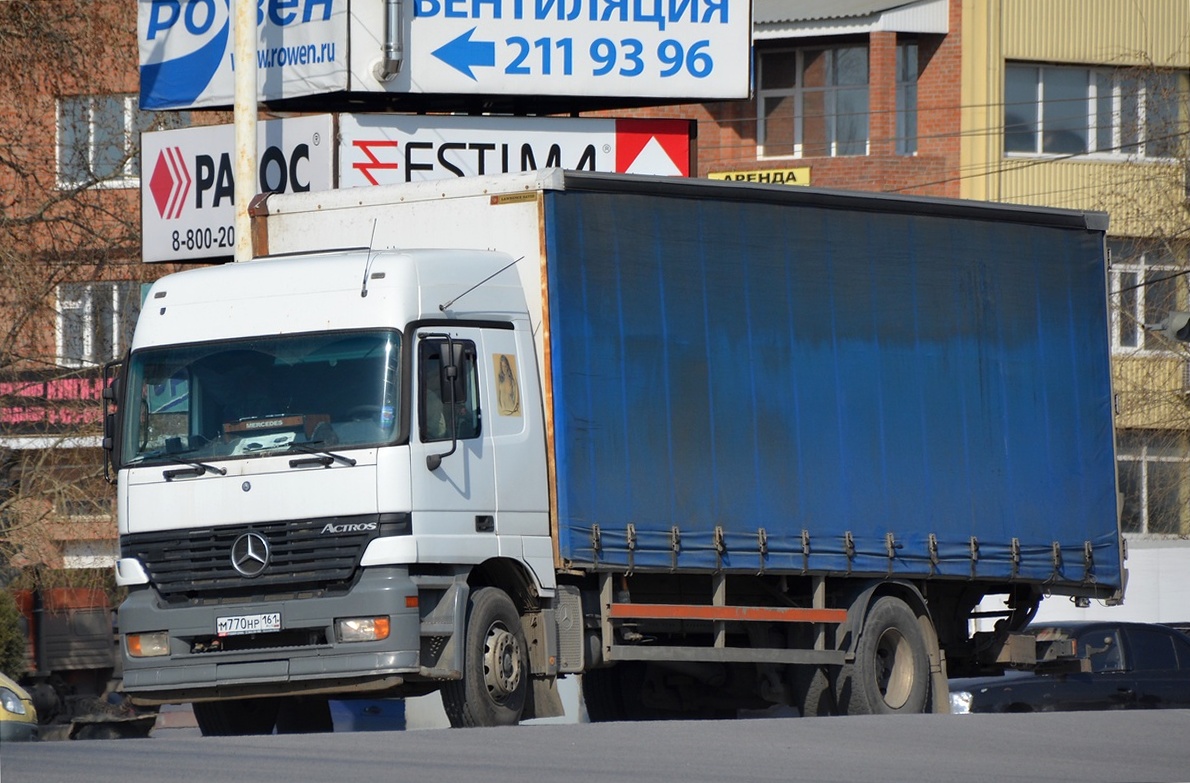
<point x="355" y="527"/>
<point x="658" y="12"/>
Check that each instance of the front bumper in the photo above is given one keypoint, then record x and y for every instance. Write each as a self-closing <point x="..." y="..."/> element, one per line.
<point x="306" y="658"/>
<point x="17" y="731"/>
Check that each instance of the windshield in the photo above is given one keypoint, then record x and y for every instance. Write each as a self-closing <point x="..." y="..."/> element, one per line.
<point x="251" y="397"/>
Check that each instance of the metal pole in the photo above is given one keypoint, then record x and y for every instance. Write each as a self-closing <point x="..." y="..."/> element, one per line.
<point x="244" y="115"/>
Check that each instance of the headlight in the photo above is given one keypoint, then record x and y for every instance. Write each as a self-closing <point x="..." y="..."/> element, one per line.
<point x="148" y="645"/>
<point x="363" y="629"/>
<point x="960" y="702"/>
<point x="11" y="702"/>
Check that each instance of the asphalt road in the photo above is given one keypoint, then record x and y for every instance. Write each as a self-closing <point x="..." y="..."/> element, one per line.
<point x="1116" y="747"/>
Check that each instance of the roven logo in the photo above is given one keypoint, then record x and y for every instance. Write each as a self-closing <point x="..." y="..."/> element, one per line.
<point x="170" y="183"/>
<point x="183" y="76"/>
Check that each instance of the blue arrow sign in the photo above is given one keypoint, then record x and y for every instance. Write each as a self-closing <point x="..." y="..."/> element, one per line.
<point x="462" y="53"/>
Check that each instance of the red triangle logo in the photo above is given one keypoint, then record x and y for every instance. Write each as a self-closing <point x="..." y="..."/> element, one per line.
<point x="634" y="135"/>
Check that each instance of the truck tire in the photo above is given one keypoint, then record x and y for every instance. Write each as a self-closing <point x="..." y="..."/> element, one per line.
<point x="236" y="717"/>
<point x="891" y="672"/>
<point x="495" y="680"/>
<point x="817" y="694"/>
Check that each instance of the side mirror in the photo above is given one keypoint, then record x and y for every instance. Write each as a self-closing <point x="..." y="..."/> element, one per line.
<point x="450" y="355"/>
<point x="110" y="397"/>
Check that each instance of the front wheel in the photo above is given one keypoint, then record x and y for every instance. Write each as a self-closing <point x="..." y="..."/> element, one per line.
<point x="495" y="665"/>
<point x="891" y="671"/>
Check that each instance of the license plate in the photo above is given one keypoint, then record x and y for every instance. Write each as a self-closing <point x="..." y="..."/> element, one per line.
<point x="248" y="623"/>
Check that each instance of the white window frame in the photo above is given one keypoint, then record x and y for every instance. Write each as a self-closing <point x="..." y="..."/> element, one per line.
<point x="133" y="123"/>
<point x="1128" y="279"/>
<point x="908" y="59"/>
<point x="798" y="93"/>
<point x="1116" y="78"/>
<point x="1145" y="455"/>
<point x="85" y="297"/>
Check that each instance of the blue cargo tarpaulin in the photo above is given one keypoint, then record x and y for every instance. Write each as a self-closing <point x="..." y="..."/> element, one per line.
<point x="858" y="385"/>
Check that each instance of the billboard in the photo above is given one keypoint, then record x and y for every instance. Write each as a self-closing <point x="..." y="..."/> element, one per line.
<point x="188" y="187"/>
<point x="695" y="49"/>
<point x="188" y="183"/>
<point x="670" y="50"/>
<point x="186" y="49"/>
<point x="382" y="149"/>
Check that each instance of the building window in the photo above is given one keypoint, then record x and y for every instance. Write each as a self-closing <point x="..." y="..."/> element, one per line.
<point x="1154" y="475"/>
<point x="95" y="321"/>
<point x="99" y="139"/>
<point x="1145" y="280"/>
<point x="1060" y="110"/>
<point x="907" y="99"/>
<point x="814" y="102"/>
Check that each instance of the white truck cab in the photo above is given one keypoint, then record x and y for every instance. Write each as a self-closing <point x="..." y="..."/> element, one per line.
<point x="283" y="419"/>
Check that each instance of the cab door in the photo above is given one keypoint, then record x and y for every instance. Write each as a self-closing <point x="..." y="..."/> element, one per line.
<point x="453" y="471"/>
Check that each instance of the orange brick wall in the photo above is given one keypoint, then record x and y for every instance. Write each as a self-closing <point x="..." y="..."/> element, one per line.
<point x="727" y="131"/>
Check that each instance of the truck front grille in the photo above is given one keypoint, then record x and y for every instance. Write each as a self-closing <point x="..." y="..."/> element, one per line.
<point x="308" y="554"/>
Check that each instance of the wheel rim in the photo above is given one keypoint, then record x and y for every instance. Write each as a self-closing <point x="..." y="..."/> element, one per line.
<point x="894" y="668"/>
<point x="501" y="662"/>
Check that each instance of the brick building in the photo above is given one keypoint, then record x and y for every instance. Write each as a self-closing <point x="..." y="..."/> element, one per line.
<point x="70" y="270"/>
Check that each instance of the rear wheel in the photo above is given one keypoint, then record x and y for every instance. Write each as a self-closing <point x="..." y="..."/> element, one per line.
<point x="891" y="672"/>
<point x="817" y="694"/>
<point x="495" y="680"/>
<point x="236" y="717"/>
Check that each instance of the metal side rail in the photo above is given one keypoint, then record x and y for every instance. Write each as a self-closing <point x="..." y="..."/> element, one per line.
<point x="723" y="614"/>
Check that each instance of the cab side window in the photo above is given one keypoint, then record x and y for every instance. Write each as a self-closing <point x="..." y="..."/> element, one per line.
<point x="448" y="399"/>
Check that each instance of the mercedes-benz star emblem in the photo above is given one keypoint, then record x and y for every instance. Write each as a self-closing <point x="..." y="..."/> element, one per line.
<point x="250" y="554"/>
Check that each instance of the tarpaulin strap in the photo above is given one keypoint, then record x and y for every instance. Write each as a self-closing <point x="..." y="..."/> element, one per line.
<point x="1088" y="561"/>
<point x="1016" y="557"/>
<point x="1056" y="557"/>
<point x="849" y="548"/>
<point x="596" y="544"/>
<point x="762" y="547"/>
<point x="974" y="554"/>
<point x="630" y="538"/>
<point x="675" y="546"/>
<point x="890" y="548"/>
<point x="805" y="551"/>
<point x="932" y="546"/>
<point x="720" y="547"/>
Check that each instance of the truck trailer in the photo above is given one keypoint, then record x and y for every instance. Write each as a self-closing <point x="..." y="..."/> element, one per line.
<point x="710" y="446"/>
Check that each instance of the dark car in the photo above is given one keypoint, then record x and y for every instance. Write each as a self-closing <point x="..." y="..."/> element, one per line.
<point x="1132" y="666"/>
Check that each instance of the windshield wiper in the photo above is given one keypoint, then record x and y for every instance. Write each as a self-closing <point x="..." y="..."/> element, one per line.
<point x="322" y="456"/>
<point x="195" y="469"/>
